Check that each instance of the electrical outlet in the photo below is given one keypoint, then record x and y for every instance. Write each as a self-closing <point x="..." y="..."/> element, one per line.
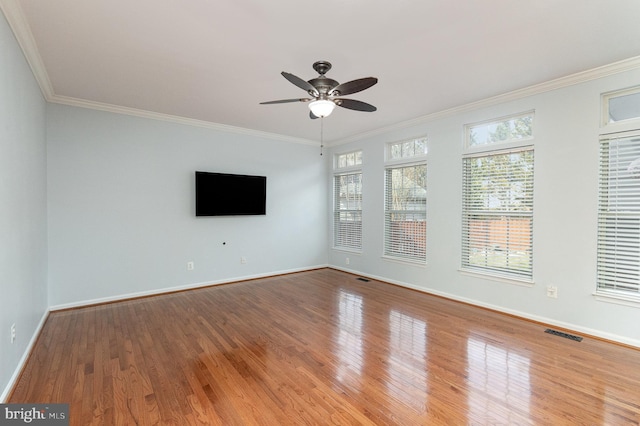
<point x="243" y="260"/>
<point x="552" y="291"/>
<point x="346" y="261"/>
<point x="13" y="333"/>
<point x="190" y="266"/>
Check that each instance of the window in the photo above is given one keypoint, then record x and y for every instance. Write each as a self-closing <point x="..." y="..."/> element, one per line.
<point x="621" y="105"/>
<point x="497" y="207"/>
<point x="619" y="215"/>
<point x="406" y="201"/>
<point x="509" y="129"/>
<point x="347" y="218"/>
<point x="407" y="149"/>
<point x="350" y="159"/>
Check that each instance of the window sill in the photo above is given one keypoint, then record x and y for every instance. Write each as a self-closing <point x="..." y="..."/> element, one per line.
<point x="419" y="263"/>
<point x="617" y="297"/>
<point x="523" y="282"/>
<point x="347" y="250"/>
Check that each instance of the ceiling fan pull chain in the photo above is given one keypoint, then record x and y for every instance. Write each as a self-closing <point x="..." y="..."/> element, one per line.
<point x="321" y="134"/>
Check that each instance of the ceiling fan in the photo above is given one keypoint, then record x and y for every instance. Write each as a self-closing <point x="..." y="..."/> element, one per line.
<point x="326" y="93"/>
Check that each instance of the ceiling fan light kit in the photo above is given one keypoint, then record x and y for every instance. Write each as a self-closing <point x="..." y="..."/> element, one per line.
<point x="322" y="108"/>
<point x="325" y="92"/>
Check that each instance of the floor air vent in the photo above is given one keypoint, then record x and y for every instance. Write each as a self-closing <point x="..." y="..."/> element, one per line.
<point x="565" y="335"/>
<point x="363" y="279"/>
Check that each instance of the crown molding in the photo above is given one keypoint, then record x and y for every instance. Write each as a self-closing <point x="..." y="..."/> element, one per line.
<point x="116" y="109"/>
<point x="22" y="32"/>
<point x="547" y="86"/>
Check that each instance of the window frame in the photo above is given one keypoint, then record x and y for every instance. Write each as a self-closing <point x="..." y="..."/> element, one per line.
<point x="357" y="153"/>
<point x="497" y="148"/>
<point x="339" y="172"/>
<point x="608" y="242"/>
<point x="628" y="124"/>
<point x="468" y="128"/>
<point x="389" y="160"/>
<point x="387" y="252"/>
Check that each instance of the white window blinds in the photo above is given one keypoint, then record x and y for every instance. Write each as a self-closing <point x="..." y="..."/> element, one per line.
<point x="347" y="222"/>
<point x="619" y="215"/>
<point x="406" y="212"/>
<point x="497" y="213"/>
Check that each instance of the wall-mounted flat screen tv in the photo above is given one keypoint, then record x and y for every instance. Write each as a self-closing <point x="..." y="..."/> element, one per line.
<point x="223" y="194"/>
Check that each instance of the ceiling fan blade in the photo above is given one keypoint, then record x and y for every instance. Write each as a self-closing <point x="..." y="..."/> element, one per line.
<point x="355" y="105"/>
<point x="284" y="101"/>
<point x="304" y="85"/>
<point x="353" y="86"/>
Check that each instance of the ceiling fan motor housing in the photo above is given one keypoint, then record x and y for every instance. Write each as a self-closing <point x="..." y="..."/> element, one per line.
<point x="323" y="85"/>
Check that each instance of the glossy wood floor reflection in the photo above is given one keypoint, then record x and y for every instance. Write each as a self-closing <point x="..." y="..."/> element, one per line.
<point x="322" y="347"/>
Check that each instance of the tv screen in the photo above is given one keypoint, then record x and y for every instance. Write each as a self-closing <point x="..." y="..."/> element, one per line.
<point x="222" y="194"/>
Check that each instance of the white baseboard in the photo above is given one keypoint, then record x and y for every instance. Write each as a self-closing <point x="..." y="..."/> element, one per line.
<point x="183" y="287"/>
<point x="544" y="320"/>
<point x="536" y="318"/>
<point x="24" y="358"/>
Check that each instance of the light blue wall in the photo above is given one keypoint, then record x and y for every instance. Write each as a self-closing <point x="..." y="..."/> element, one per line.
<point x="567" y="128"/>
<point x="121" y="206"/>
<point x="97" y="206"/>
<point x="23" y="221"/>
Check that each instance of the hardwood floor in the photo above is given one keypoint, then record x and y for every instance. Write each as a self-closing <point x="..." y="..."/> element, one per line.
<point x="321" y="347"/>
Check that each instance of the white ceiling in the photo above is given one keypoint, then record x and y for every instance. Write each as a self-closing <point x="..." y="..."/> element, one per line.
<point x="215" y="60"/>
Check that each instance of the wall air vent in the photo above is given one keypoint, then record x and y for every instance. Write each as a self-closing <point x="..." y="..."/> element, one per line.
<point x="565" y="335"/>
